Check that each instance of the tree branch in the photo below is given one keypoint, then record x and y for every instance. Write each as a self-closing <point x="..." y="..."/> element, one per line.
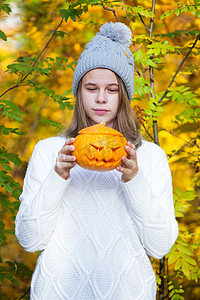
<point x="127" y="16"/>
<point x="110" y="9"/>
<point x="22" y="297"/>
<point x="172" y="133"/>
<point x="151" y="137"/>
<point x="35" y="62"/>
<point x="182" y="147"/>
<point x="156" y="140"/>
<point x="141" y="19"/>
<point x="137" y="71"/>
<point x="177" y="71"/>
<point x="151" y="76"/>
<point x="141" y="67"/>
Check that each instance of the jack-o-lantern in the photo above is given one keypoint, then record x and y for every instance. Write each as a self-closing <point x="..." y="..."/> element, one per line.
<point x="99" y="148"/>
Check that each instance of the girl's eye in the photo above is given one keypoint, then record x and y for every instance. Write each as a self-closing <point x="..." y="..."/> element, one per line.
<point x="91" y="89"/>
<point x="113" y="90"/>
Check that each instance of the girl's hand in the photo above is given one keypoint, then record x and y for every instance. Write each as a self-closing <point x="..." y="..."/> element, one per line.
<point x="129" y="168"/>
<point x="65" y="161"/>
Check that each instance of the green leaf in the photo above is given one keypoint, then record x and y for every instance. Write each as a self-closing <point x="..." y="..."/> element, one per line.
<point x="181" y="248"/>
<point x="186" y="269"/>
<point x="157" y="114"/>
<point x="3" y="36"/>
<point x="66" y="93"/>
<point x="58" y="59"/>
<point x="12" y="210"/>
<point x="7" y="168"/>
<point x="179" y="215"/>
<point x="177" y="11"/>
<point x="178" y="264"/>
<point x="11" y="110"/>
<point x="2" y="237"/>
<point x="73" y="17"/>
<point x="178" y="191"/>
<point x="148" y="112"/>
<point x="141" y="10"/>
<point x="11" y="278"/>
<point x="189" y="259"/>
<point x="192" y="102"/>
<point x="5" y="7"/>
<point x="54" y="124"/>
<point x="182" y="242"/>
<point x="160" y="108"/>
<point x="69" y="106"/>
<point x="64" y="14"/>
<point x="173" y="258"/>
<point x="151" y="105"/>
<point x="8" y="188"/>
<point x="167" y="14"/>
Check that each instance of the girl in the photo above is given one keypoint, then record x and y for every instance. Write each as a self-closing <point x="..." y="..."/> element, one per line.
<point x="96" y="229"/>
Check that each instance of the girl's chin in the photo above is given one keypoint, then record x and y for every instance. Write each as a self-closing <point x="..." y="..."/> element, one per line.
<point x="99" y="121"/>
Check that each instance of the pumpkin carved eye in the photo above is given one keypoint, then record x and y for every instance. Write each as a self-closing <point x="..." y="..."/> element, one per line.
<point x="114" y="149"/>
<point x="96" y="147"/>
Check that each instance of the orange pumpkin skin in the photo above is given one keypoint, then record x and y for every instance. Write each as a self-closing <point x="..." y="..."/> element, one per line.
<point x="99" y="148"/>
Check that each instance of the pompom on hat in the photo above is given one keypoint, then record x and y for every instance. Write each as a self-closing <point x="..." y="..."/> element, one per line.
<point x="109" y="49"/>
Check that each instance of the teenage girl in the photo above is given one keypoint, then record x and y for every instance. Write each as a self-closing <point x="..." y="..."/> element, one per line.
<point x="95" y="230"/>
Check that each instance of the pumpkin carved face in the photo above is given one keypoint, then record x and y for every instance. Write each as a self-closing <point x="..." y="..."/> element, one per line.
<point x="99" y="148"/>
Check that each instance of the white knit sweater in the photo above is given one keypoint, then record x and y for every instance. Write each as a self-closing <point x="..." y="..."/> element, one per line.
<point x="95" y="230"/>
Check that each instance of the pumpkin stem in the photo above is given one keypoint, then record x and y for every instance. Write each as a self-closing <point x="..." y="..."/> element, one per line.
<point x="103" y="123"/>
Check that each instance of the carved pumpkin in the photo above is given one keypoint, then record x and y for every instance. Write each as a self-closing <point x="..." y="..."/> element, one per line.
<point x="99" y="148"/>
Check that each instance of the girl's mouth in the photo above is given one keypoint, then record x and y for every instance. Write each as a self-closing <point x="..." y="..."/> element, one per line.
<point x="100" y="111"/>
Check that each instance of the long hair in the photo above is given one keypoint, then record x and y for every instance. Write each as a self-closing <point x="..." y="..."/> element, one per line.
<point x="125" y="122"/>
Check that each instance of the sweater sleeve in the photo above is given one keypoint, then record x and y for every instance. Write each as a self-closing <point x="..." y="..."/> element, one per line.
<point x="41" y="200"/>
<point x="149" y="198"/>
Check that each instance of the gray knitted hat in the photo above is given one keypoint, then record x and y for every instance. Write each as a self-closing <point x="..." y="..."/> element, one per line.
<point x="109" y="50"/>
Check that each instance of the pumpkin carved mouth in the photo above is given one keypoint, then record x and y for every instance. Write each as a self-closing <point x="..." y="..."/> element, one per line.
<point x="100" y="164"/>
<point x="101" y="160"/>
<point x="99" y="148"/>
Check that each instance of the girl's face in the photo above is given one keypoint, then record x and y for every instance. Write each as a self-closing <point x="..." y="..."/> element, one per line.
<point x="100" y="95"/>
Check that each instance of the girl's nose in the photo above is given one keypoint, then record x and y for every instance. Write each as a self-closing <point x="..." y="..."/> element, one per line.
<point x="101" y="97"/>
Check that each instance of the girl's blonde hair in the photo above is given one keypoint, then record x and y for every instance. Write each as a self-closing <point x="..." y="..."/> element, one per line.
<point x="125" y="122"/>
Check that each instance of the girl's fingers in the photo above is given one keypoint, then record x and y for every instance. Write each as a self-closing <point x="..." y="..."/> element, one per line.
<point x="129" y="167"/>
<point x="127" y="162"/>
<point x="121" y="169"/>
<point x="68" y="147"/>
<point x="66" y="158"/>
<point x="66" y="165"/>
<point x="65" y="161"/>
<point x="130" y="149"/>
<point x="69" y="141"/>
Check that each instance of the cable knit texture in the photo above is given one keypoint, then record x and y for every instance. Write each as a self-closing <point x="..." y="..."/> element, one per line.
<point x="95" y="230"/>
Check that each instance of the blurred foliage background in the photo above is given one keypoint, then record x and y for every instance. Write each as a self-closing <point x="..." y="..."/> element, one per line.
<point x="40" y="42"/>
